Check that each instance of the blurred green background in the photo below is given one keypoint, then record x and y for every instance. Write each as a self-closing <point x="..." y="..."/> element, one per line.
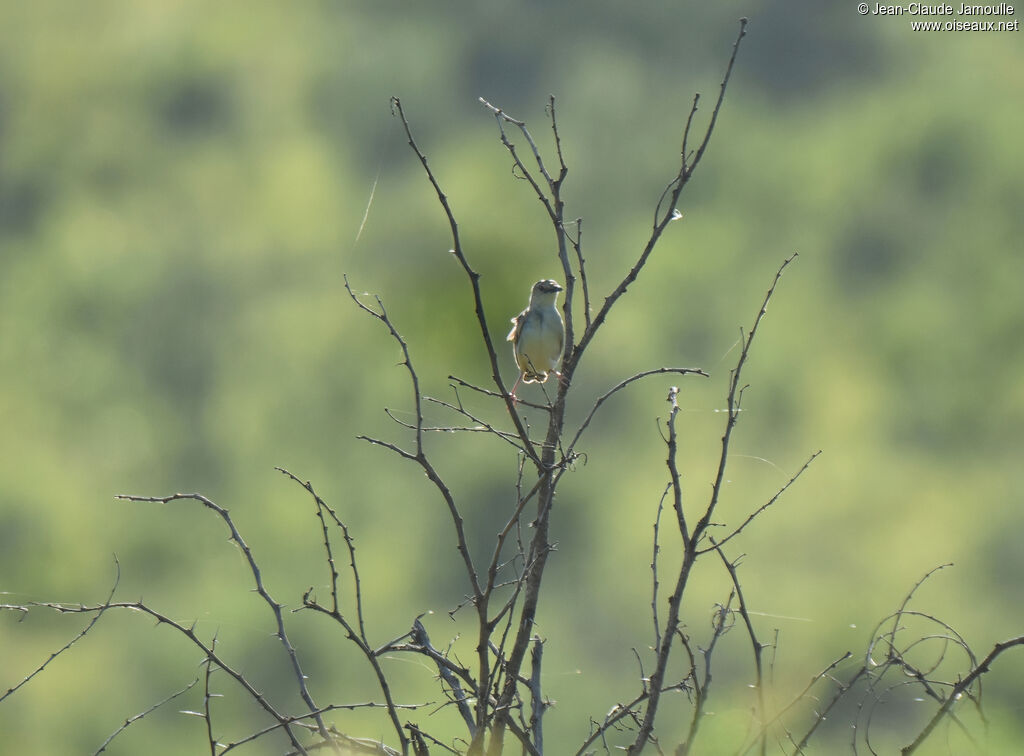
<point x="182" y="187"/>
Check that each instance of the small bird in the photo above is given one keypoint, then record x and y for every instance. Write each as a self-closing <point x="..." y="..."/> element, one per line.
<point x="538" y="335"/>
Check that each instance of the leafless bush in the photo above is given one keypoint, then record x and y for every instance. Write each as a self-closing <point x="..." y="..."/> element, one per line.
<point x="497" y="695"/>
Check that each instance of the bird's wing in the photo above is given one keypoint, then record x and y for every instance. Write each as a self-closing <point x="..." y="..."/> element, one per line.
<point x="517" y="327"/>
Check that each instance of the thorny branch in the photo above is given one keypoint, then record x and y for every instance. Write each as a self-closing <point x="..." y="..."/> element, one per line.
<point x="960" y="688"/>
<point x="282" y="720"/>
<point x="692" y="538"/>
<point x="733" y="400"/>
<point x="673" y="191"/>
<point x="357" y="633"/>
<point x="755" y="644"/>
<point x="133" y="719"/>
<point x="420" y="456"/>
<point x="214" y="660"/>
<point x="887" y="657"/>
<point x="274" y="606"/>
<point x="474" y="280"/>
<point x="70" y="643"/>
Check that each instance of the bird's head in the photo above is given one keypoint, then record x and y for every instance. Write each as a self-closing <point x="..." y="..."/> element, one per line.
<point x="545" y="291"/>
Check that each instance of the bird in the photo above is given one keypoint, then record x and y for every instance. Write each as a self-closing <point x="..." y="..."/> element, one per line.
<point x="538" y="335"/>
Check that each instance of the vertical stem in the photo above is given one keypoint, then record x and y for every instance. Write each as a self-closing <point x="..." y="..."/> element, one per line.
<point x="536" y="696"/>
<point x="675" y="602"/>
<point x="539" y="549"/>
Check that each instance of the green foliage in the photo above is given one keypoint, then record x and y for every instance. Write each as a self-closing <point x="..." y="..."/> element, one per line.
<point x="182" y="186"/>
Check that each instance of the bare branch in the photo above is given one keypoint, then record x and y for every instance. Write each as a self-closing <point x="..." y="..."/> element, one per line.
<point x="721" y="622"/>
<point x="750" y="518"/>
<point x="132" y="720"/>
<point x="673" y="471"/>
<point x="189" y="632"/>
<point x="621" y="385"/>
<point x="420" y="740"/>
<point x="577" y="245"/>
<point x="448" y="672"/>
<point x="663" y="649"/>
<point x="896" y="616"/>
<point x="351" y="744"/>
<point x="207" y="697"/>
<point x="755" y="644"/>
<point x="73" y="641"/>
<point x="674" y="190"/>
<point x="321" y="506"/>
<point x="506" y="672"/>
<point x="275" y="607"/>
<point x="420" y="456"/>
<point x="718" y="105"/>
<point x="960" y="688"/>
<point x="361" y="640"/>
<point x="488" y="392"/>
<point x="501" y="117"/>
<point x="691" y="539"/>
<point x="841" y="690"/>
<point x="733" y="406"/>
<point x="388" y="445"/>
<point x="382" y="315"/>
<point x="656" y="549"/>
<point x="482" y="426"/>
<point x="615" y="715"/>
<point x="537" y="702"/>
<point x="474" y="279"/>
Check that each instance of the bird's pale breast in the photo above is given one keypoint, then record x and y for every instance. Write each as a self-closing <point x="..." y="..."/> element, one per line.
<point x="539" y="346"/>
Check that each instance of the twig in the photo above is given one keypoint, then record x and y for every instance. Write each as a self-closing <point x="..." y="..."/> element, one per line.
<point x="692" y="538"/>
<point x="718" y="103"/>
<point x="207" y="696"/>
<point x="615" y="715"/>
<point x="655" y="550"/>
<point x="537" y="702"/>
<point x="338" y="739"/>
<point x="750" y="518"/>
<point x="733" y="405"/>
<point x="577" y="245"/>
<point x="841" y="690"/>
<point x="132" y="720"/>
<point x="674" y="190"/>
<point x="283" y="721"/>
<point x="474" y="280"/>
<point x="359" y="637"/>
<point x="488" y="392"/>
<point x="73" y="641"/>
<point x="275" y="607"/>
<point x="663" y="649"/>
<point x="501" y="117"/>
<point x="898" y="614"/>
<point x="482" y="426"/>
<point x="621" y="385"/>
<point x="420" y="456"/>
<point x="420" y="738"/>
<point x="960" y="688"/>
<point x="721" y="623"/>
<point x="321" y="507"/>
<point x="755" y="644"/>
<point x="675" y="482"/>
<point x="446" y="670"/>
